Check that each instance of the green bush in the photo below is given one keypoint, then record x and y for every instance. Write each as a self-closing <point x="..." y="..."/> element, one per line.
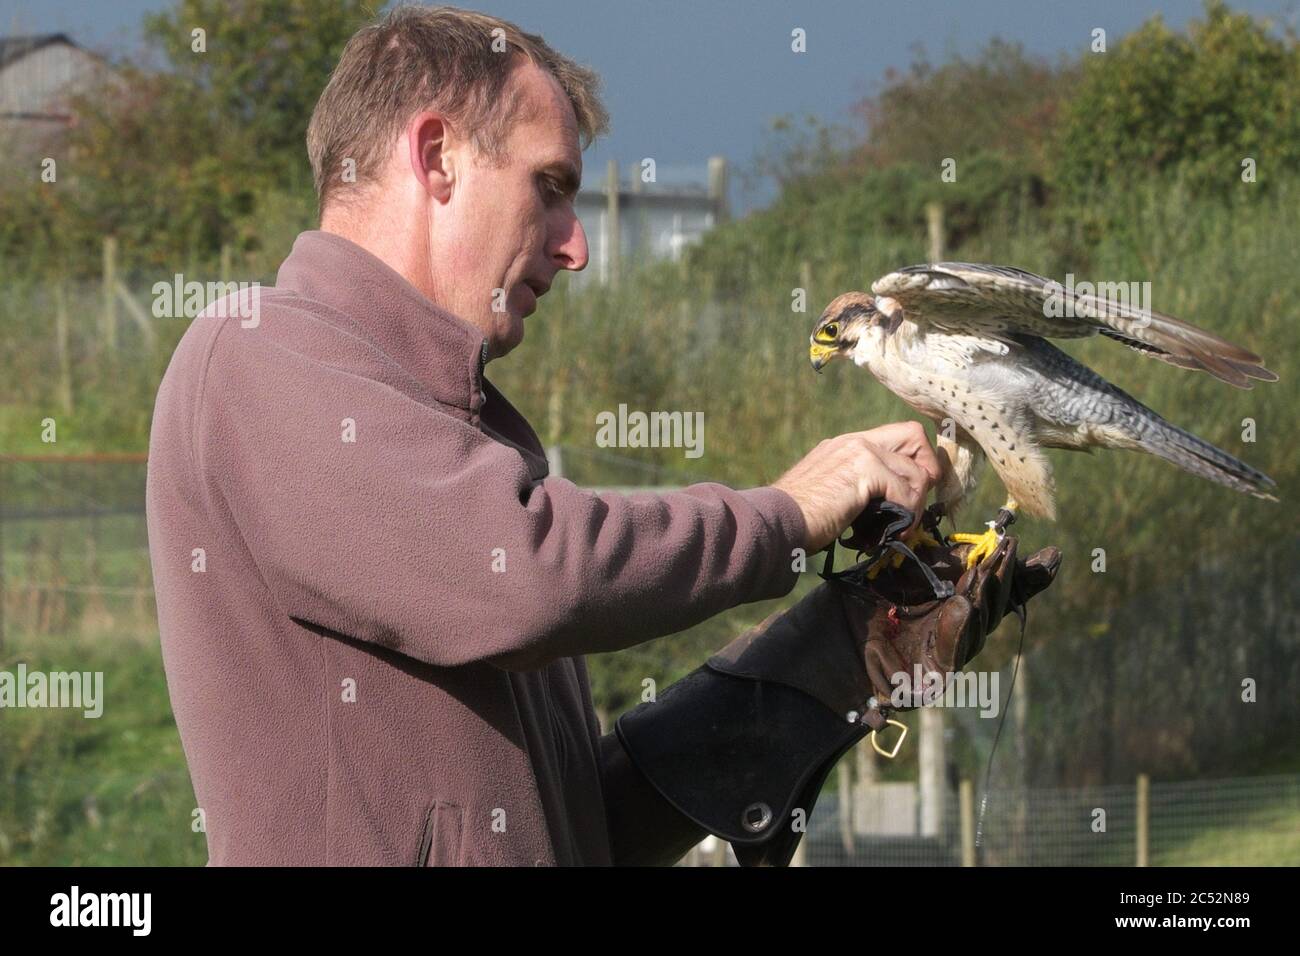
<point x="1191" y="105"/>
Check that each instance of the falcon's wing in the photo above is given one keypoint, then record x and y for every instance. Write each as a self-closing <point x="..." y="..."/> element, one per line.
<point x="974" y="299"/>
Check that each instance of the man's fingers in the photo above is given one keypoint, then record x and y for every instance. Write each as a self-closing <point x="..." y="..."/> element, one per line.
<point x="908" y="439"/>
<point x="914" y="477"/>
<point x="902" y="492"/>
<point x="925" y="457"/>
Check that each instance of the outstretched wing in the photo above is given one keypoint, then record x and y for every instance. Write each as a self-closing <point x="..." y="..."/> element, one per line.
<point x="975" y="299"/>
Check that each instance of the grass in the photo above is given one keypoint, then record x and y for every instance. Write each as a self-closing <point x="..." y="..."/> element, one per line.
<point x="1268" y="836"/>
<point x="111" y="791"/>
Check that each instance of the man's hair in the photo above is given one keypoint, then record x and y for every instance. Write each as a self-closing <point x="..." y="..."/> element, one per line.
<point x="455" y="61"/>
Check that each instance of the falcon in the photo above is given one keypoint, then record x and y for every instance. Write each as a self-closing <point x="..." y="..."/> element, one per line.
<point x="967" y="346"/>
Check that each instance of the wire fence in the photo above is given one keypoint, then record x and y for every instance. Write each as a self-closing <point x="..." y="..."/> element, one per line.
<point x="1236" y="821"/>
<point x="74" y="551"/>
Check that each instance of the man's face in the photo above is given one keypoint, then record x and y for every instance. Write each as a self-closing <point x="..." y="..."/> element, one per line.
<point x="507" y="230"/>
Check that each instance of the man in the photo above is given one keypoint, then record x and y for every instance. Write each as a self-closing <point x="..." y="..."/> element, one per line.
<point x="373" y="600"/>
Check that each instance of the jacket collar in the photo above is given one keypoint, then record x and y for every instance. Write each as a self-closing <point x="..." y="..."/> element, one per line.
<point x="440" y="350"/>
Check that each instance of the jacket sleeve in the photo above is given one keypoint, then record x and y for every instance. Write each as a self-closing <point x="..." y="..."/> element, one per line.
<point x="741" y="746"/>
<point x="416" y="531"/>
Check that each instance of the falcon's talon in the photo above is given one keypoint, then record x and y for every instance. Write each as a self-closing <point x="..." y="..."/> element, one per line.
<point x="984" y="544"/>
<point x="894" y="559"/>
<point x="921" y="536"/>
<point x="891" y="560"/>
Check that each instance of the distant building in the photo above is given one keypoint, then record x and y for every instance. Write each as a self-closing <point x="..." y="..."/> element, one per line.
<point x="37" y="75"/>
<point x="629" y="223"/>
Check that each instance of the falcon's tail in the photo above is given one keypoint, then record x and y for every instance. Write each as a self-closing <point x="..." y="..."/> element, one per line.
<point x="1182" y="448"/>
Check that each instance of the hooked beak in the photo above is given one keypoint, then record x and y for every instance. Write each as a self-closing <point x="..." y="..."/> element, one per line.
<point x="819" y="355"/>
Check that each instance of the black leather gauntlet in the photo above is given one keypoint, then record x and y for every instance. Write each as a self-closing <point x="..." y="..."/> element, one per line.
<point x="742" y="745"/>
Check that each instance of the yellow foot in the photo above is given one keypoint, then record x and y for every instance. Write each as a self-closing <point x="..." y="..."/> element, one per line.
<point x="894" y="559"/>
<point x="985" y="544"/>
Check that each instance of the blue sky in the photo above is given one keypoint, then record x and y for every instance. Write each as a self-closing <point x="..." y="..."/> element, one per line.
<point x="686" y="80"/>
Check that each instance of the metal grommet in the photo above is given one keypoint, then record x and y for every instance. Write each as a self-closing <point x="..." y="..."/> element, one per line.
<point x="756" y="817"/>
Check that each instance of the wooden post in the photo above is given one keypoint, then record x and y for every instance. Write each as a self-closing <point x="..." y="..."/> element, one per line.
<point x="555" y="408"/>
<point x="966" y="797"/>
<point x="718" y="189"/>
<point x="930" y="759"/>
<point x="108" y="318"/>
<point x="61" y="337"/>
<point x="137" y="312"/>
<point x="1143" y="819"/>
<point x="934" y="222"/>
<point x="844" y="806"/>
<point x="555" y="461"/>
<point x="613" y="234"/>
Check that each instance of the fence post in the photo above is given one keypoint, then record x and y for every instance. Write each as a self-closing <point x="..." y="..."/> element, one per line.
<point x="844" y="806"/>
<point x="966" y="797"/>
<point x="931" y="778"/>
<point x="61" y="337"/>
<point x="1143" y="819"/>
<point x="555" y="461"/>
<point x="613" y="234"/>
<point x="108" y="319"/>
<point x="934" y="222"/>
<point x="555" y="407"/>
<point x="718" y="188"/>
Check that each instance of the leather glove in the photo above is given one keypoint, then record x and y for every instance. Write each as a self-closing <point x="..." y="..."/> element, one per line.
<point x="899" y="625"/>
<point x="742" y="746"/>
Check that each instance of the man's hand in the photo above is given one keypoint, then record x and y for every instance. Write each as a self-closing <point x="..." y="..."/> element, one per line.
<point x="833" y="483"/>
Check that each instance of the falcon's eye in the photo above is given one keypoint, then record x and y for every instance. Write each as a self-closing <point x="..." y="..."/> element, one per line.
<point x="829" y="332"/>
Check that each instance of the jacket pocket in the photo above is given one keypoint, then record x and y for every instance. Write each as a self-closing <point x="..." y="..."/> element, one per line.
<point x="440" y="843"/>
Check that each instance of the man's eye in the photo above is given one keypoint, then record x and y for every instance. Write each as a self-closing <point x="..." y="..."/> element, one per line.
<point x="552" y="188"/>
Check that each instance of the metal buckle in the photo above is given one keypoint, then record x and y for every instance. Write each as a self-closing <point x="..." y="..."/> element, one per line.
<point x="890" y="754"/>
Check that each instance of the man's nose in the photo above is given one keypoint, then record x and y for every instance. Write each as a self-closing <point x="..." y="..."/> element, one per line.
<point x="570" y="250"/>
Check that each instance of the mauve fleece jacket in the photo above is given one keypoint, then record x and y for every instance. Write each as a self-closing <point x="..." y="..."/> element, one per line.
<point x="353" y="681"/>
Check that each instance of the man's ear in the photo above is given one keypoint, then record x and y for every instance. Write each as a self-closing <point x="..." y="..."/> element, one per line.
<point x="433" y="163"/>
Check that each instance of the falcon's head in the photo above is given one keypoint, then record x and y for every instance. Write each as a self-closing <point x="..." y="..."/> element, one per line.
<point x="853" y="322"/>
